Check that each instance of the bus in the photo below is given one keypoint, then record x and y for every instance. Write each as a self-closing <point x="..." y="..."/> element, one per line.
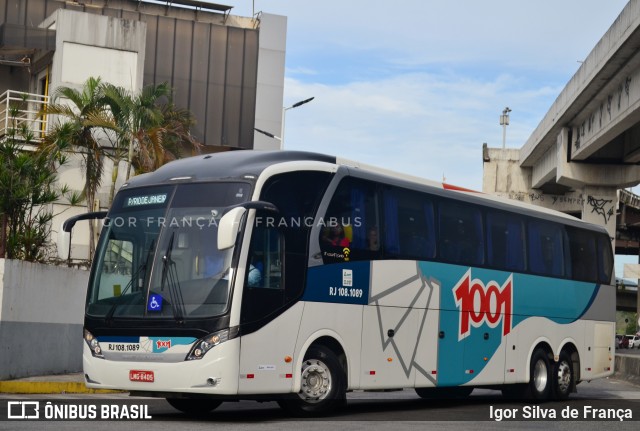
<point x="298" y="277"/>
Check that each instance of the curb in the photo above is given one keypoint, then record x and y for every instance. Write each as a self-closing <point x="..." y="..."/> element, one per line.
<point x="21" y="387"/>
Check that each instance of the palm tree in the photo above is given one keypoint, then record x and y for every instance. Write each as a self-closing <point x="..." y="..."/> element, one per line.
<point x="76" y="131"/>
<point x="146" y="128"/>
<point x="120" y="104"/>
<point x="160" y="129"/>
<point x="151" y="127"/>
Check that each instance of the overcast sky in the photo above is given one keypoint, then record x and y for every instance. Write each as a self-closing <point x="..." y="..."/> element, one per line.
<point x="418" y="85"/>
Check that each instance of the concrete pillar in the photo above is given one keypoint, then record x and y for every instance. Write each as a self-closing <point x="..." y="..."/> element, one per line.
<point x="599" y="207"/>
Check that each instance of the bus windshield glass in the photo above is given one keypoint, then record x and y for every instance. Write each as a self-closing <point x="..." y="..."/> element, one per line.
<point x="158" y="256"/>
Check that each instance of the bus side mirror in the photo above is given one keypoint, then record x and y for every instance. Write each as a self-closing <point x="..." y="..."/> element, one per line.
<point x="64" y="240"/>
<point x="228" y="227"/>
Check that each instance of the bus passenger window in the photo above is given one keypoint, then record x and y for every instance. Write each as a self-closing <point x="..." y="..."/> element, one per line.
<point x="505" y="241"/>
<point x="409" y="225"/>
<point x="350" y="226"/>
<point x="546" y="254"/>
<point x="582" y="246"/>
<point x="461" y="237"/>
<point x="605" y="259"/>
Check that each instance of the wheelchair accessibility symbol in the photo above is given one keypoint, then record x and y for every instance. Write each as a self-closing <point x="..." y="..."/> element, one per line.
<point x="154" y="303"/>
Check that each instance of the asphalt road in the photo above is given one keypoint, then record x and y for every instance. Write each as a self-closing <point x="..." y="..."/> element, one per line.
<point x="398" y="411"/>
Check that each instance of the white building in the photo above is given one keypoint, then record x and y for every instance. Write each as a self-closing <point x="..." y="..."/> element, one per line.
<point x="227" y="70"/>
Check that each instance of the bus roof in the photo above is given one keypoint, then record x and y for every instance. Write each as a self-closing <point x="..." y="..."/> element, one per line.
<point x="228" y="164"/>
<point x="249" y="164"/>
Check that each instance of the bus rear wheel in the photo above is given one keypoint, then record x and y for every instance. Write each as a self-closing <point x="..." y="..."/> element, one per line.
<point x="540" y="380"/>
<point x="563" y="377"/>
<point x="194" y="406"/>
<point x="323" y="384"/>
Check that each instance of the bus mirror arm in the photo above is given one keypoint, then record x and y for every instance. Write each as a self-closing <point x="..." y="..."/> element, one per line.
<point x="254" y="205"/>
<point x="69" y="223"/>
<point x="230" y="222"/>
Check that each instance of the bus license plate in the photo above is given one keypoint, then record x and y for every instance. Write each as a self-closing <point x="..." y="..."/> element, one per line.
<point x="123" y="347"/>
<point x="141" y="376"/>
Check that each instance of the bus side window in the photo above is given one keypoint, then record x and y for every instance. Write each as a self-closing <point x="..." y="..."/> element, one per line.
<point x="506" y="241"/>
<point x="546" y="254"/>
<point x="350" y="226"/>
<point x="461" y="237"/>
<point x="582" y="246"/>
<point x="263" y="283"/>
<point x="264" y="268"/>
<point x="409" y="225"/>
<point x="605" y="263"/>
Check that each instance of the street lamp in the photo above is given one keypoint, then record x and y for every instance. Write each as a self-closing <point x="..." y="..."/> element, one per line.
<point x="504" y="122"/>
<point x="271" y="135"/>
<point x="284" y="113"/>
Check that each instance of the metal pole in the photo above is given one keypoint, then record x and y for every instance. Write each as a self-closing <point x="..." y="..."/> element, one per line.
<point x="284" y="115"/>
<point x="504" y="136"/>
<point x="504" y="122"/>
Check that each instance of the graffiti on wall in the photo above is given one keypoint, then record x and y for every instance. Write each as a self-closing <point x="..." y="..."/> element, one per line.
<point x="599" y="206"/>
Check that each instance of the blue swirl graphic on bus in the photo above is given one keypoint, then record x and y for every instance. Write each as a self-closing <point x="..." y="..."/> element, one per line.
<point x="478" y="307"/>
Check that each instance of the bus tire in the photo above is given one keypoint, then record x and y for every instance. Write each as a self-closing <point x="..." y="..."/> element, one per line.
<point x="194" y="406"/>
<point x="323" y="385"/>
<point x="540" y="381"/>
<point x="563" y="377"/>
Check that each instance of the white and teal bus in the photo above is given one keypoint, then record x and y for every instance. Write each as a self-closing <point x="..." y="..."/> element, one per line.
<point x="298" y="277"/>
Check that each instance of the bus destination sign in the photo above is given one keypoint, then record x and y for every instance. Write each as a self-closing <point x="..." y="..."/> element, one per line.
<point x="152" y="199"/>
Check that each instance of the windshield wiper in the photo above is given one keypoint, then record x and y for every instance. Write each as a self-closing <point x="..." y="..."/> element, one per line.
<point x="134" y="277"/>
<point x="169" y="275"/>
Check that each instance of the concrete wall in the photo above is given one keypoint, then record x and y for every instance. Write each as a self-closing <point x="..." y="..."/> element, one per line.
<point x="89" y="45"/>
<point x="86" y="42"/>
<point x="270" y="88"/>
<point x="503" y="176"/>
<point x="627" y="367"/>
<point x="41" y="318"/>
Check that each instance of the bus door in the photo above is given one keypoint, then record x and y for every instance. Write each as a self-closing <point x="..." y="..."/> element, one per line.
<point x="265" y="341"/>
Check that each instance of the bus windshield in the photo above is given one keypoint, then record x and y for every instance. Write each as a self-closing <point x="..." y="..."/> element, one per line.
<point x="158" y="256"/>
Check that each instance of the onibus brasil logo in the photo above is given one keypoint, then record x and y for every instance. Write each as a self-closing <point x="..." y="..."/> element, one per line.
<point x="481" y="303"/>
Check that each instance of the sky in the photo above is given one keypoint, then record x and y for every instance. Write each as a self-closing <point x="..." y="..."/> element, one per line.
<point x="418" y="86"/>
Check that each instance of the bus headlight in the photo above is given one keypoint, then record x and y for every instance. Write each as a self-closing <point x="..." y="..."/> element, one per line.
<point x="205" y="344"/>
<point x="93" y="344"/>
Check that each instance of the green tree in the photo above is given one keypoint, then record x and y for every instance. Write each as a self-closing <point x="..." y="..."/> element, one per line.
<point x="151" y="128"/>
<point x="28" y="187"/>
<point x="106" y="121"/>
<point x="81" y="120"/>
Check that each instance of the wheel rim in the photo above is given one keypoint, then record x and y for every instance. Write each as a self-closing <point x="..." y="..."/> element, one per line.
<point x="540" y="376"/>
<point x="564" y="376"/>
<point x="316" y="381"/>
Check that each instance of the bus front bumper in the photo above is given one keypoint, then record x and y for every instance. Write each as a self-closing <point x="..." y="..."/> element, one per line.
<point x="215" y="374"/>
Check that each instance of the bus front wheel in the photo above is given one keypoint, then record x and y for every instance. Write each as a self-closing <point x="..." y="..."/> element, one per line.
<point x="323" y="384"/>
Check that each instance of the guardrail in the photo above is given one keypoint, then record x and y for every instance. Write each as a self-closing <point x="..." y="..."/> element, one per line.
<point x="19" y="111"/>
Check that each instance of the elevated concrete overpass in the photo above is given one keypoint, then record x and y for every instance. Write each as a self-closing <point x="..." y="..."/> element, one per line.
<point x="587" y="146"/>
